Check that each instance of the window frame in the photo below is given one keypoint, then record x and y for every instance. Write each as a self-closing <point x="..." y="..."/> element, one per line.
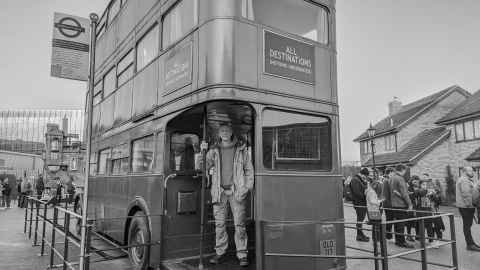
<point x="115" y="86"/>
<point x="109" y="8"/>
<point x="162" y="45"/>
<point x="106" y="161"/>
<point x="133" y="140"/>
<point x="456" y="132"/>
<point x="137" y="43"/>
<point x="330" y="152"/>
<point x="126" y="156"/>
<point x="121" y="72"/>
<point x="476" y="128"/>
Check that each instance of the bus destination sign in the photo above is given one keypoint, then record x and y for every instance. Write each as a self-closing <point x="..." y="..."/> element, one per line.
<point x="178" y="68"/>
<point x="289" y="58"/>
<point x="70" y="46"/>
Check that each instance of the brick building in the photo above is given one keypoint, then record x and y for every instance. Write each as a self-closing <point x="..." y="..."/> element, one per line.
<point x="429" y="135"/>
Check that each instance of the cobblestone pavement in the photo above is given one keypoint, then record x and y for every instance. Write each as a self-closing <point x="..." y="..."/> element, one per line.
<point x="17" y="252"/>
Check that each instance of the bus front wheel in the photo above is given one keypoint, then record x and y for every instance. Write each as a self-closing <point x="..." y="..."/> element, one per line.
<point x="138" y="241"/>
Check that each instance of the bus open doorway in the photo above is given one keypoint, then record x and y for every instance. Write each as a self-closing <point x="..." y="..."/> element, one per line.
<point x="183" y="233"/>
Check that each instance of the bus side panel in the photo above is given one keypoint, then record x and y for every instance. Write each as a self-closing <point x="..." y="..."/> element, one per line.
<point x="301" y="198"/>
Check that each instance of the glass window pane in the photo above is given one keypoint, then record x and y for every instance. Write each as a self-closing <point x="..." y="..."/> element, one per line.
<point x="123" y="103"/>
<point x="120" y="159"/>
<point x="142" y="154"/>
<point x="126" y="61"/>
<point x="179" y="21"/>
<point x="298" y="17"/>
<point x="476" y="125"/>
<point x="106" y="111"/>
<point x="125" y="75"/>
<point x="293" y="141"/>
<point x="97" y="88"/>
<point x="102" y="161"/>
<point x="184" y="152"/>
<point x="113" y="11"/>
<point x="459" y="132"/>
<point x="147" y="47"/>
<point x="97" y="99"/>
<point x="469" y="130"/>
<point x="109" y="82"/>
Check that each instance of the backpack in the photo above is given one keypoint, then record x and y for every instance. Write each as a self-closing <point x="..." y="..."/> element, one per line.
<point x="347" y="189"/>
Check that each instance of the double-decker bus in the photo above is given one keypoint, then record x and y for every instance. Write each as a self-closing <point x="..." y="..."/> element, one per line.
<point x="167" y="74"/>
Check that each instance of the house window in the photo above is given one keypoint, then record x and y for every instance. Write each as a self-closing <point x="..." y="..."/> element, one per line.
<point x="125" y="68"/>
<point x="179" y="21"/>
<point x="390" y="142"/>
<point x="304" y="18"/>
<point x="468" y="127"/>
<point x="476" y="126"/>
<point x="142" y="154"/>
<point x="459" y="132"/>
<point x="147" y="47"/>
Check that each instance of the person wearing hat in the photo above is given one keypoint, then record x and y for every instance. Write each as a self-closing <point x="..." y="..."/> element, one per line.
<point x="359" y="185"/>
<point x="232" y="179"/>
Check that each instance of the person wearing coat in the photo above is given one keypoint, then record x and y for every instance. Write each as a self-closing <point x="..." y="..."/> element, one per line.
<point x="401" y="203"/>
<point x="466" y="195"/>
<point x="359" y="185"/>
<point x="232" y="179"/>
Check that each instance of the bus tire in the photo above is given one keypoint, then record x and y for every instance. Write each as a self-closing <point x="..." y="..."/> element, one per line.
<point x="138" y="234"/>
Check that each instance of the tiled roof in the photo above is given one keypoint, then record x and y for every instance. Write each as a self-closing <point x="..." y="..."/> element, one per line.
<point x="416" y="147"/>
<point x="469" y="107"/>
<point x="390" y="123"/>
<point x="475" y="156"/>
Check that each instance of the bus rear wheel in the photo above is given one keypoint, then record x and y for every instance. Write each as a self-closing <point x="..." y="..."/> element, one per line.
<point x="138" y="240"/>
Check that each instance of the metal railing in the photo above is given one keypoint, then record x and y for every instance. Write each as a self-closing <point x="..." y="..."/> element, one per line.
<point x="380" y="254"/>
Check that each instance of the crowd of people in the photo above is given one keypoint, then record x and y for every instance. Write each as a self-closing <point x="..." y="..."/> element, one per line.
<point x="17" y="193"/>
<point x="401" y="199"/>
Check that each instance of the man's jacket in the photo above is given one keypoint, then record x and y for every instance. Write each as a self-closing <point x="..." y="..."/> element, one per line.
<point x="387" y="193"/>
<point x="242" y="172"/>
<point x="399" y="192"/>
<point x="358" y="186"/>
<point x="466" y="193"/>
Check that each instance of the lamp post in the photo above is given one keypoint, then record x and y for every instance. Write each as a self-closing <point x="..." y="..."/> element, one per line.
<point x="371" y="133"/>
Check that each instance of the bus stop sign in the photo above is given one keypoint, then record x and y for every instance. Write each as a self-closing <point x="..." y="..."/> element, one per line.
<point x="70" y="47"/>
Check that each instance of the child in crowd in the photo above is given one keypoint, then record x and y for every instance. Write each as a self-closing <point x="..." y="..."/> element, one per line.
<point x="413" y="188"/>
<point x="438" y="225"/>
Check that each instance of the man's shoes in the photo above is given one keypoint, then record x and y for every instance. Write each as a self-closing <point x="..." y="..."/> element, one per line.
<point x="473" y="248"/>
<point x="243" y="262"/>
<point x="404" y="245"/>
<point x="362" y="238"/>
<point x="217" y="259"/>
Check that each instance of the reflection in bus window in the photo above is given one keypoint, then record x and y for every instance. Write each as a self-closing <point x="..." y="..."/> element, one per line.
<point x="103" y="158"/>
<point x="293" y="141"/>
<point x="184" y="152"/>
<point x="303" y="18"/>
<point x="142" y="154"/>
<point x="120" y="160"/>
<point x="179" y="21"/>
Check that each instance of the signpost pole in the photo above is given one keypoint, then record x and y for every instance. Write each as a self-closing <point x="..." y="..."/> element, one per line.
<point x="93" y="26"/>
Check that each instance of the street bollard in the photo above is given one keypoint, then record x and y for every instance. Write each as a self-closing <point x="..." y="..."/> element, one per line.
<point x="31" y="217"/>
<point x="453" y="238"/>
<point x="35" y="236"/>
<point x="383" y="246"/>
<point x="52" y="244"/>
<point x="66" y="226"/>
<point x="423" y="252"/>
<point x="42" y="250"/>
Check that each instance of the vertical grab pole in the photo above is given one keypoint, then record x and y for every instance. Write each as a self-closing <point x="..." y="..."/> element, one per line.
<point x="202" y="195"/>
<point x="453" y="238"/>
<point x="93" y="30"/>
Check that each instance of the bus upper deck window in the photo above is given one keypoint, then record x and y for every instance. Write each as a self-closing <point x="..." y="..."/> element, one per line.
<point x="294" y="141"/>
<point x="299" y="17"/>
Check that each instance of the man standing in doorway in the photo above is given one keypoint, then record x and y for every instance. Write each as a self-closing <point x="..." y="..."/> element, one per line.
<point x="466" y="195"/>
<point x="358" y="185"/>
<point x="232" y="179"/>
<point x="401" y="201"/>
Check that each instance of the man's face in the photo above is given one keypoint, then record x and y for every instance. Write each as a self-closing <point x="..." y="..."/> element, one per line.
<point x="225" y="133"/>
<point x="469" y="172"/>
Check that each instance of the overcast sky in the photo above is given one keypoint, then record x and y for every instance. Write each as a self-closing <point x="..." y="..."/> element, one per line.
<point x="386" y="48"/>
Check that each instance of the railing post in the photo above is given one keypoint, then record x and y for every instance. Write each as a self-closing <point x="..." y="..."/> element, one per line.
<point x="31" y="217"/>
<point x="35" y="236"/>
<point x="375" y="246"/>
<point x="383" y="246"/>
<point x="87" y="246"/>
<point x="66" y="226"/>
<point x="26" y="215"/>
<point x="421" y="226"/>
<point x="42" y="250"/>
<point x="453" y="239"/>
<point x="52" y="244"/>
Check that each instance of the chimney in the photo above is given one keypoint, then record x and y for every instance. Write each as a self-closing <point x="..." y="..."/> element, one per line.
<point x="394" y="106"/>
<point x="65" y="125"/>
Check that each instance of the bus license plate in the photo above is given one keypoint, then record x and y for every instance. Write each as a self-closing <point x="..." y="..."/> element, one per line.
<point x="328" y="247"/>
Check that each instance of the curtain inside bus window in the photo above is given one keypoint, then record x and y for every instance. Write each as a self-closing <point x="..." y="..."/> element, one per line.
<point x="142" y="154"/>
<point x="179" y="21"/>
<point x="293" y="141"/>
<point x="297" y="17"/>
